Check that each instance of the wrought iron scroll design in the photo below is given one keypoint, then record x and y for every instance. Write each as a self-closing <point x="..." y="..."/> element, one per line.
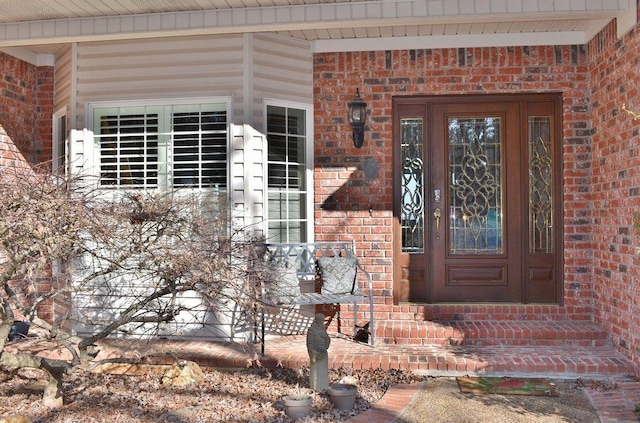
<point x="540" y="185"/>
<point x="412" y="185"/>
<point x="474" y="161"/>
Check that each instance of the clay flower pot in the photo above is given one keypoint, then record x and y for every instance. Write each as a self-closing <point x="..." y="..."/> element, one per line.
<point x="342" y="395"/>
<point x="297" y="405"/>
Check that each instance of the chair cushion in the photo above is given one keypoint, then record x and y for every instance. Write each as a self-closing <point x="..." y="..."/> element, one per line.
<point x="283" y="286"/>
<point x="338" y="275"/>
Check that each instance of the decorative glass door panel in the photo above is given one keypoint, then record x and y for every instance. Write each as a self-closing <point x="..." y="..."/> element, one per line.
<point x="540" y="185"/>
<point x="476" y="254"/>
<point x="412" y="185"/>
<point x="476" y="198"/>
<point x="475" y="168"/>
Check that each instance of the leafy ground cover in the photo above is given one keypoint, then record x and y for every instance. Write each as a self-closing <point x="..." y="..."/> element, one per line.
<point x="249" y="395"/>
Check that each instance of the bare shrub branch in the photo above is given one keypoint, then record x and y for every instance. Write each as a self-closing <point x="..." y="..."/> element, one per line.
<point x="127" y="261"/>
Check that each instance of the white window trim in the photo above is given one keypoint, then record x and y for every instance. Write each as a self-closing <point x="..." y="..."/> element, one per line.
<point x="55" y="139"/>
<point x="308" y="108"/>
<point x="227" y="100"/>
<point x="90" y="106"/>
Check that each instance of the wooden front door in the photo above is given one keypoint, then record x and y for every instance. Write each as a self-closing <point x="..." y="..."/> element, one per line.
<point x="476" y="198"/>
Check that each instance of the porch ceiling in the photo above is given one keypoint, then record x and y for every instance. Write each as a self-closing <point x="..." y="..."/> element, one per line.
<point x="43" y="26"/>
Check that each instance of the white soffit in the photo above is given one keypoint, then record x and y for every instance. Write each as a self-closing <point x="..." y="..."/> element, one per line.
<point x="448" y="41"/>
<point x="332" y="25"/>
<point x="30" y="56"/>
<point x="452" y="35"/>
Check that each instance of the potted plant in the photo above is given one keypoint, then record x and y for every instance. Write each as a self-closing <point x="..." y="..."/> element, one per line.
<point x="342" y="395"/>
<point x="298" y="404"/>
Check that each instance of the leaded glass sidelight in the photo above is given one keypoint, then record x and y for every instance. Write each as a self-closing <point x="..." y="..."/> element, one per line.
<point x="540" y="185"/>
<point x="412" y="185"/>
<point x="475" y="190"/>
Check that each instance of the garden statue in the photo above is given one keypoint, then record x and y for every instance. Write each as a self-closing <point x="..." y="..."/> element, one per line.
<point x="317" y="345"/>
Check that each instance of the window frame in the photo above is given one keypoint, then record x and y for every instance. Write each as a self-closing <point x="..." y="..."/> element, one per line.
<point x="92" y="107"/>
<point x="60" y="141"/>
<point x="308" y="164"/>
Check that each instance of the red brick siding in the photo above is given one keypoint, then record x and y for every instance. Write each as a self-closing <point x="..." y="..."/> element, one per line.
<point x="10" y="156"/>
<point x="343" y="193"/>
<point x="615" y="77"/>
<point x="26" y="108"/>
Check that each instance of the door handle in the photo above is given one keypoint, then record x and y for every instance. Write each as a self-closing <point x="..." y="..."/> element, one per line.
<point x="437" y="214"/>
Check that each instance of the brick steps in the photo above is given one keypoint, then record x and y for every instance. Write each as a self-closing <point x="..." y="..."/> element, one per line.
<point x="488" y="333"/>
<point x="577" y="349"/>
<point x="567" y="361"/>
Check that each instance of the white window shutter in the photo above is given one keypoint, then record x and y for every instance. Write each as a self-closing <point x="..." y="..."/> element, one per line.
<point x="255" y="169"/>
<point x="247" y="176"/>
<point x="82" y="152"/>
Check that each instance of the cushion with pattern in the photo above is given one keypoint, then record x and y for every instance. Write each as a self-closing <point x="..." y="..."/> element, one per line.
<point x="283" y="286"/>
<point x="338" y="275"/>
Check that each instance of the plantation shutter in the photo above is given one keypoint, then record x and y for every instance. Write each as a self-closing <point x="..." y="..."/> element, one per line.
<point x="199" y="147"/>
<point x="181" y="146"/>
<point x="128" y="146"/>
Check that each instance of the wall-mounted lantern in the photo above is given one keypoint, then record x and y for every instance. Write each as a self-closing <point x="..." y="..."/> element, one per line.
<point x="357" y="117"/>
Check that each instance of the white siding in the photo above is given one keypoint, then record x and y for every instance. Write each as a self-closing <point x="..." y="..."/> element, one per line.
<point x="227" y="323"/>
<point x="249" y="68"/>
<point x="282" y="69"/>
<point x="275" y="66"/>
<point x="160" y="68"/>
<point x="197" y="322"/>
<point x="247" y="177"/>
<point x="63" y="74"/>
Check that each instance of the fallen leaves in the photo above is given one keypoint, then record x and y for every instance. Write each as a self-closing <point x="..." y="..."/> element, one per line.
<point x="249" y="395"/>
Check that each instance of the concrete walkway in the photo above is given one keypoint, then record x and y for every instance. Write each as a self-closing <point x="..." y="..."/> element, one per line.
<point x="613" y="406"/>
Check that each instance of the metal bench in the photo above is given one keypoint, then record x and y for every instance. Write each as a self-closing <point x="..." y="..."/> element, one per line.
<point x="306" y="260"/>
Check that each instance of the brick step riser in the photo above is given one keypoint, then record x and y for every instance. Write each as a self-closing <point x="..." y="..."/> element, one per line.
<point x="440" y="365"/>
<point x="474" y="313"/>
<point x="435" y="365"/>
<point x="517" y="334"/>
<point x="466" y="317"/>
<point x="493" y="342"/>
<point x="291" y="352"/>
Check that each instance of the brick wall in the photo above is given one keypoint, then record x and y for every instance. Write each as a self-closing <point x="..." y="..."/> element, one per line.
<point x="615" y="78"/>
<point x="10" y="156"/>
<point x="26" y="108"/>
<point x="350" y="181"/>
